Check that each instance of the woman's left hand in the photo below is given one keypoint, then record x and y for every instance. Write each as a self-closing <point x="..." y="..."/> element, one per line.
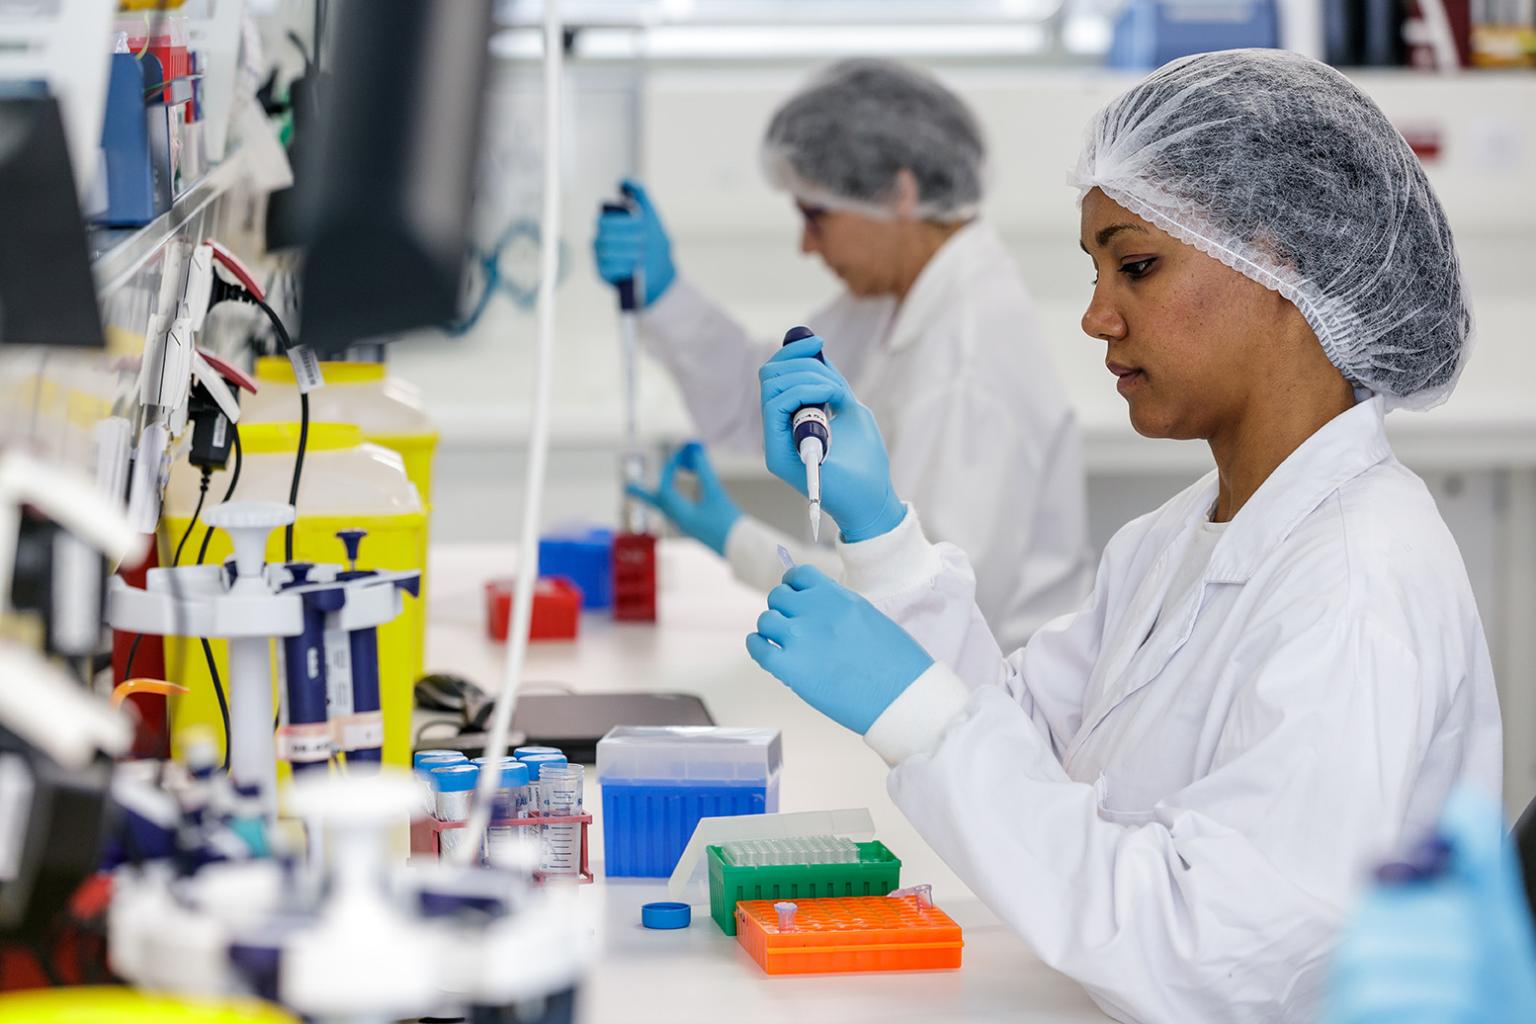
<point x="835" y="649"/>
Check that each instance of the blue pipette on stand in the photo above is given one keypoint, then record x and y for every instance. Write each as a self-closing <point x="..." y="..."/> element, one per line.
<point x="358" y="712"/>
<point x="812" y="427"/>
<point x="307" y="734"/>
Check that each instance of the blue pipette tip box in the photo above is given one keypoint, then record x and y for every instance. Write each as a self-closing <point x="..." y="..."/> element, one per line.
<point x="658" y="781"/>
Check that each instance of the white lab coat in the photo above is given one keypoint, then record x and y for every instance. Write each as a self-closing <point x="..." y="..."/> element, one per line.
<point x="980" y="434"/>
<point x="1178" y="817"/>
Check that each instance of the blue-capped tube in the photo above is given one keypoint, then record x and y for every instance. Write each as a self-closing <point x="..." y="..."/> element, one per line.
<point x="452" y="787"/>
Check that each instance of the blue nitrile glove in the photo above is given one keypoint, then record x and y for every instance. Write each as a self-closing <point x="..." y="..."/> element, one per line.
<point x="626" y="242"/>
<point x="708" y="518"/>
<point x="1454" y="949"/>
<point x="835" y="649"/>
<point x="856" y="474"/>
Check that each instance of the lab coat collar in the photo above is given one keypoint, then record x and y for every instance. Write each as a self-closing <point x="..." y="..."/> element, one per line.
<point x="1345" y="447"/>
<point x="973" y="247"/>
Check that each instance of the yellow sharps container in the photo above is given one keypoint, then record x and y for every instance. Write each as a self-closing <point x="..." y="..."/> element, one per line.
<point x="346" y="484"/>
<point x="386" y="409"/>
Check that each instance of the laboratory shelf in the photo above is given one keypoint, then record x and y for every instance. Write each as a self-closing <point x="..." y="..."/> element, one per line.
<point x="118" y="253"/>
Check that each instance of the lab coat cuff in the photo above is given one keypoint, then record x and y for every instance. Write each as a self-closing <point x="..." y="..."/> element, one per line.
<point x="679" y="307"/>
<point x="892" y="562"/>
<point x="914" y="722"/>
<point x="752" y="552"/>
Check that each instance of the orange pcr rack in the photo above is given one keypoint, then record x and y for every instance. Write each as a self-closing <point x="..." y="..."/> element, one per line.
<point x="846" y="934"/>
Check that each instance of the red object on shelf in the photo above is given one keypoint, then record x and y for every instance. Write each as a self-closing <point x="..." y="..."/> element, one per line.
<point x="634" y="577"/>
<point x="175" y="65"/>
<point x="425" y="832"/>
<point x="152" y="735"/>
<point x="556" y="609"/>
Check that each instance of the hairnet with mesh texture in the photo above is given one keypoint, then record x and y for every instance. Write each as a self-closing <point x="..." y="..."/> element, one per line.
<point x="840" y="141"/>
<point x="1281" y="168"/>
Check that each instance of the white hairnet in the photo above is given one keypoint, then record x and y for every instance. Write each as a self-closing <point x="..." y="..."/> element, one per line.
<point x="840" y="141"/>
<point x="1279" y="167"/>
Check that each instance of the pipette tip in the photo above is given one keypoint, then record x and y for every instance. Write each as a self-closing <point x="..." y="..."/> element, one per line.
<point x="816" y="520"/>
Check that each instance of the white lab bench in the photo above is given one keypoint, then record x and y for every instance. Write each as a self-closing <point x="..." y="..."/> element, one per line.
<point x="700" y="974"/>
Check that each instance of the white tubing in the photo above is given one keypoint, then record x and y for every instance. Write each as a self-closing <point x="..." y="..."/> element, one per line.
<point x="538" y="446"/>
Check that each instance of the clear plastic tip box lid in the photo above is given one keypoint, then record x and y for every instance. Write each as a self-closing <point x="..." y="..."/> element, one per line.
<point x="693" y="753"/>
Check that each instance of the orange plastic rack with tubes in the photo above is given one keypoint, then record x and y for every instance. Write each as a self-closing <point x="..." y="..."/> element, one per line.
<point x="846" y="934"/>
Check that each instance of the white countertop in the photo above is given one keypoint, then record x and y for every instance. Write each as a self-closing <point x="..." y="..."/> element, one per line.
<point x="700" y="974"/>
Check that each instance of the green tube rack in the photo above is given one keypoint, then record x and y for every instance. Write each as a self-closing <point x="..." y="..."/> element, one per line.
<point x="877" y="872"/>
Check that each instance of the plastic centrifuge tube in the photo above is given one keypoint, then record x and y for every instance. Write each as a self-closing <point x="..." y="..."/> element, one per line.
<point x="786" y="912"/>
<point x="452" y="787"/>
<point x="560" y="797"/>
<point x="922" y="893"/>
<point x="537" y="765"/>
<point x="511" y="802"/>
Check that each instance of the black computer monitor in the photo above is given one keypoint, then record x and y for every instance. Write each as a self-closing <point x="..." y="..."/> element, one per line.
<point x="47" y="292"/>
<point x="385" y="190"/>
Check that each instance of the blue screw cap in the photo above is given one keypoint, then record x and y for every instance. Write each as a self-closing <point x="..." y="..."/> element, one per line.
<point x="455" y="778"/>
<point x="666" y="915"/>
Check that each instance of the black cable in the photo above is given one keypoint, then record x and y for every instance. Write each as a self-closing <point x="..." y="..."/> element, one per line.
<point x="202" y="493"/>
<point x="218" y="692"/>
<point x="38" y="947"/>
<point x="202" y="554"/>
<point x="133" y="652"/>
<point x="298" y="459"/>
<point x="234" y="479"/>
<point x="298" y="469"/>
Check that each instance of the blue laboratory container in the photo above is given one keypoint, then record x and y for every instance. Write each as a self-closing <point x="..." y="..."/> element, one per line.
<point x="584" y="555"/>
<point x="1150" y="33"/>
<point x="658" y="782"/>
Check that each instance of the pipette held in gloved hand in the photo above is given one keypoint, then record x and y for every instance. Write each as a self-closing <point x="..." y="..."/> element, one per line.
<point x="628" y="295"/>
<point x="813" y="437"/>
<point x="632" y="464"/>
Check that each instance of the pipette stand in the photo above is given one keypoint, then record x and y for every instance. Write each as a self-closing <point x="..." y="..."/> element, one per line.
<point x="195" y="601"/>
<point x="350" y="933"/>
<point x="248" y="611"/>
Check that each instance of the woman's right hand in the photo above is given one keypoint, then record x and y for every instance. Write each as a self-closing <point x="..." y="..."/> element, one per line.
<point x="856" y="486"/>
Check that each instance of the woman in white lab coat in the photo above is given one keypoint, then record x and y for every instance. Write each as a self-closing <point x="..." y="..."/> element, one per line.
<point x="1172" y="793"/>
<point x="935" y="327"/>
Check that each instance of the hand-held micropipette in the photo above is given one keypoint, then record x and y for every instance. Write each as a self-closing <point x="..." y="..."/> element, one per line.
<point x="630" y="290"/>
<point x="811" y="427"/>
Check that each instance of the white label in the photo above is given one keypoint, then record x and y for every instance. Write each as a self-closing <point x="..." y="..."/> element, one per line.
<point x="220" y="430"/>
<point x="305" y="744"/>
<point x="809" y="414"/>
<point x="359" y="732"/>
<point x="338" y="673"/>
<point x="306" y="368"/>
